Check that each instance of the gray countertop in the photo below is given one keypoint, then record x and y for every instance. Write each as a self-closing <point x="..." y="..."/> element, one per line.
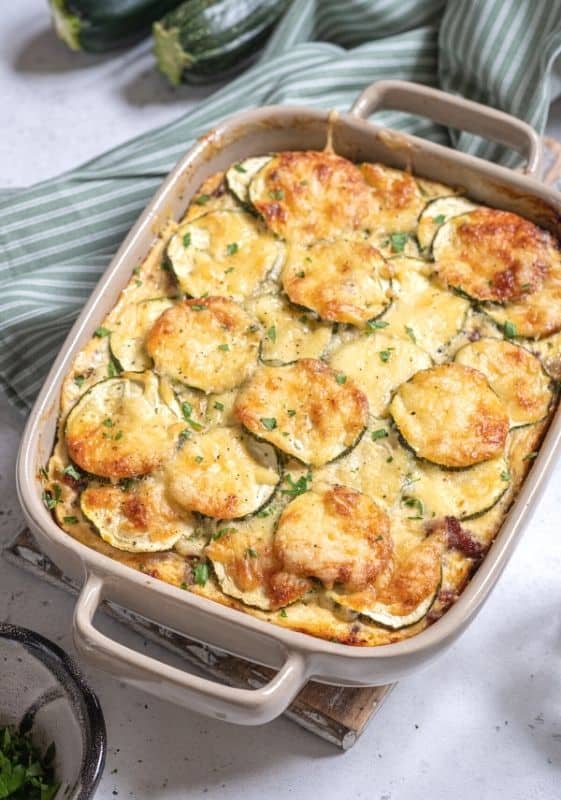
<point x="484" y="721"/>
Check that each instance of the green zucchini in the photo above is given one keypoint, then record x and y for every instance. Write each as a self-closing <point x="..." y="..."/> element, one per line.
<point x="204" y="39"/>
<point x="100" y="25"/>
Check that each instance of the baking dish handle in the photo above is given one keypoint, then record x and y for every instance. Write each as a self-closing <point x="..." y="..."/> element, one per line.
<point x="454" y="112"/>
<point x="242" y="706"/>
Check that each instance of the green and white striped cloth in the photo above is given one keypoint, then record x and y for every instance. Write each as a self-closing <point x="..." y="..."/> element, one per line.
<point x="57" y="237"/>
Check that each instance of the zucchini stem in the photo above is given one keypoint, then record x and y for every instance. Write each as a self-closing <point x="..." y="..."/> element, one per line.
<point x="169" y="53"/>
<point x="67" y="25"/>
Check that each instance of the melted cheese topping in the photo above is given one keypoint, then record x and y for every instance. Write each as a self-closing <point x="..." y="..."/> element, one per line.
<point x="514" y="374"/>
<point x="308" y="195"/>
<point x="223" y="253"/>
<point x="493" y="255"/>
<point x="342" y="280"/>
<point x="305" y="409"/>
<point x="210" y="343"/>
<point x="120" y="428"/>
<point x="290" y="333"/>
<point x="129" y="334"/>
<point x="338" y="536"/>
<point x="222" y="473"/>
<point x="450" y="416"/>
<point x="378" y="364"/>
<point x="420" y="311"/>
<point x="139" y="519"/>
<point x="397" y="196"/>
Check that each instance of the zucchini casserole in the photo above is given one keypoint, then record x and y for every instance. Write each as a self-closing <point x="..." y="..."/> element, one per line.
<point x="317" y="397"/>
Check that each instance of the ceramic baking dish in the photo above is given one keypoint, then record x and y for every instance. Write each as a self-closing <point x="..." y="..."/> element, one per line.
<point x="297" y="656"/>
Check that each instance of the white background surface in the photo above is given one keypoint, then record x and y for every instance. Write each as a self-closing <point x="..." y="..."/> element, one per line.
<point x="483" y="722"/>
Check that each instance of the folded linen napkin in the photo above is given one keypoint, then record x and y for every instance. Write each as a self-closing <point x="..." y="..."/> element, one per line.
<point x="58" y="236"/>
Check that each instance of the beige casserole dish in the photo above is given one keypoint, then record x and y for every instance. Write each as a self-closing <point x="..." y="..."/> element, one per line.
<point x="297" y="656"/>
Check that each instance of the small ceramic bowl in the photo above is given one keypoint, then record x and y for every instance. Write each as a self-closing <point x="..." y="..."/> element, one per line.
<point x="43" y="692"/>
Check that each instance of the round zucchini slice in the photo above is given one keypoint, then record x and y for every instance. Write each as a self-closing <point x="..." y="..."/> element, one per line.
<point x="225" y="253"/>
<point x="397" y="198"/>
<point x="410" y="592"/>
<point x="378" y="364"/>
<point x="240" y="175"/>
<point x="120" y="428"/>
<point x="309" y="195"/>
<point x="222" y="473"/>
<point x="463" y="493"/>
<point x="377" y="466"/>
<point x="342" y="280"/>
<point x="208" y="343"/>
<point x="138" y="520"/>
<point x="514" y="374"/>
<point x="128" y="336"/>
<point x="450" y="415"/>
<point x="493" y="256"/>
<point x="290" y="333"/>
<point x="436" y="213"/>
<point x="305" y="409"/>
<point x="420" y="311"/>
<point x="336" y="535"/>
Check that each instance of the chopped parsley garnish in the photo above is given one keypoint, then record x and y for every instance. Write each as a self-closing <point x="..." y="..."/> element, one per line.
<point x="506" y="476"/>
<point x="229" y="270"/>
<point x="531" y="455"/>
<point x="291" y="412"/>
<point x="126" y="483"/>
<point x="224" y="347"/>
<point x="398" y="241"/>
<point x="165" y="265"/>
<point x="375" y="324"/>
<point x="79" y="380"/>
<point x="439" y="219"/>
<point x="232" y="248"/>
<point x="70" y="521"/>
<point x="509" y="329"/>
<point x="186" y="409"/>
<point x="385" y="354"/>
<point x="296" y="487"/>
<point x="72" y="471"/>
<point x="269" y="423"/>
<point x="414" y="502"/>
<point x="341" y="379"/>
<point x="272" y="333"/>
<point x="101" y="332"/>
<point x="239" y="168"/>
<point x="187" y="240"/>
<point x="112" y="369"/>
<point x="411" y="333"/>
<point x="108" y="422"/>
<point x="301" y="274"/>
<point x="200" y="573"/>
<point x="199" y="459"/>
<point x="51" y="498"/>
<point x="276" y="194"/>
<point x="282" y="613"/>
<point x="197" y="307"/>
<point x="250" y="553"/>
<point x="202" y="199"/>
<point x="184" y="435"/>
<point x="183" y="585"/>
<point x="118" y="435"/>
<point x="218" y="406"/>
<point x="381" y="433"/>
<point x="195" y="425"/>
<point x="24" y="773"/>
<point x="222" y="532"/>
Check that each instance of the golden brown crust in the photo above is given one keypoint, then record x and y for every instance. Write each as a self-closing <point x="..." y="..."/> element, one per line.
<point x="397" y="196"/>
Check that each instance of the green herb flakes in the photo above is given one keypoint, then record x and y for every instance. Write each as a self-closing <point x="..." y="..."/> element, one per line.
<point x="276" y="194"/>
<point x="411" y="333"/>
<point x="79" y="380"/>
<point x="381" y="433"/>
<point x="222" y="532"/>
<point x="224" y="347"/>
<point x="509" y="330"/>
<point x="232" y="248"/>
<point x="112" y="369"/>
<point x="239" y="168"/>
<point x="187" y="240"/>
<point x="298" y="487"/>
<point x="101" y="332"/>
<point x="197" y="307"/>
<point x="439" y="219"/>
<point x="250" y="553"/>
<point x="70" y="520"/>
<point x="506" y="475"/>
<point x="24" y="773"/>
<point x="385" y="354"/>
<point x="282" y="613"/>
<point x="341" y="379"/>
<point x="272" y="333"/>
<point x="374" y="325"/>
<point x="218" y="406"/>
<point x="202" y="199"/>
<point x="269" y="423"/>
<point x="398" y="242"/>
<point x="200" y="573"/>
<point x="186" y="409"/>
<point x="52" y="498"/>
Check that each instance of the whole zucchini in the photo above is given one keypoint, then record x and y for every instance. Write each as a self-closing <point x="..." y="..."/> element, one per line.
<point x="100" y="25"/>
<point x="204" y="39"/>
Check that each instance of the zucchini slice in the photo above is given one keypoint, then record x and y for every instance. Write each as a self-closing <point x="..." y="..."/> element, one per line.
<point x="396" y="196"/>
<point x="412" y="588"/>
<point x="493" y="256"/>
<point x="450" y="416"/>
<point x="420" y="311"/>
<point x="549" y="351"/>
<point x="127" y="337"/>
<point x="377" y="466"/>
<point x="342" y="280"/>
<point x="207" y="343"/>
<point x="463" y="493"/>
<point x="226" y="253"/>
<point x="307" y="195"/>
<point x="305" y="409"/>
<point x="240" y="175"/>
<point x="514" y="374"/>
<point x="222" y="473"/>
<point x="139" y="519"/>
<point x="378" y="364"/>
<point x="120" y="428"/>
<point x="290" y="333"/>
<point x="436" y="213"/>
<point x="336" y="535"/>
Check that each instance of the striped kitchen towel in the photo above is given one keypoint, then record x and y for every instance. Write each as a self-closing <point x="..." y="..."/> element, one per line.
<point x="58" y="236"/>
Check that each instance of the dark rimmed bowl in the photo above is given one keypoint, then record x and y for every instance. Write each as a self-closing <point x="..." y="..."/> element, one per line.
<point x="43" y="691"/>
